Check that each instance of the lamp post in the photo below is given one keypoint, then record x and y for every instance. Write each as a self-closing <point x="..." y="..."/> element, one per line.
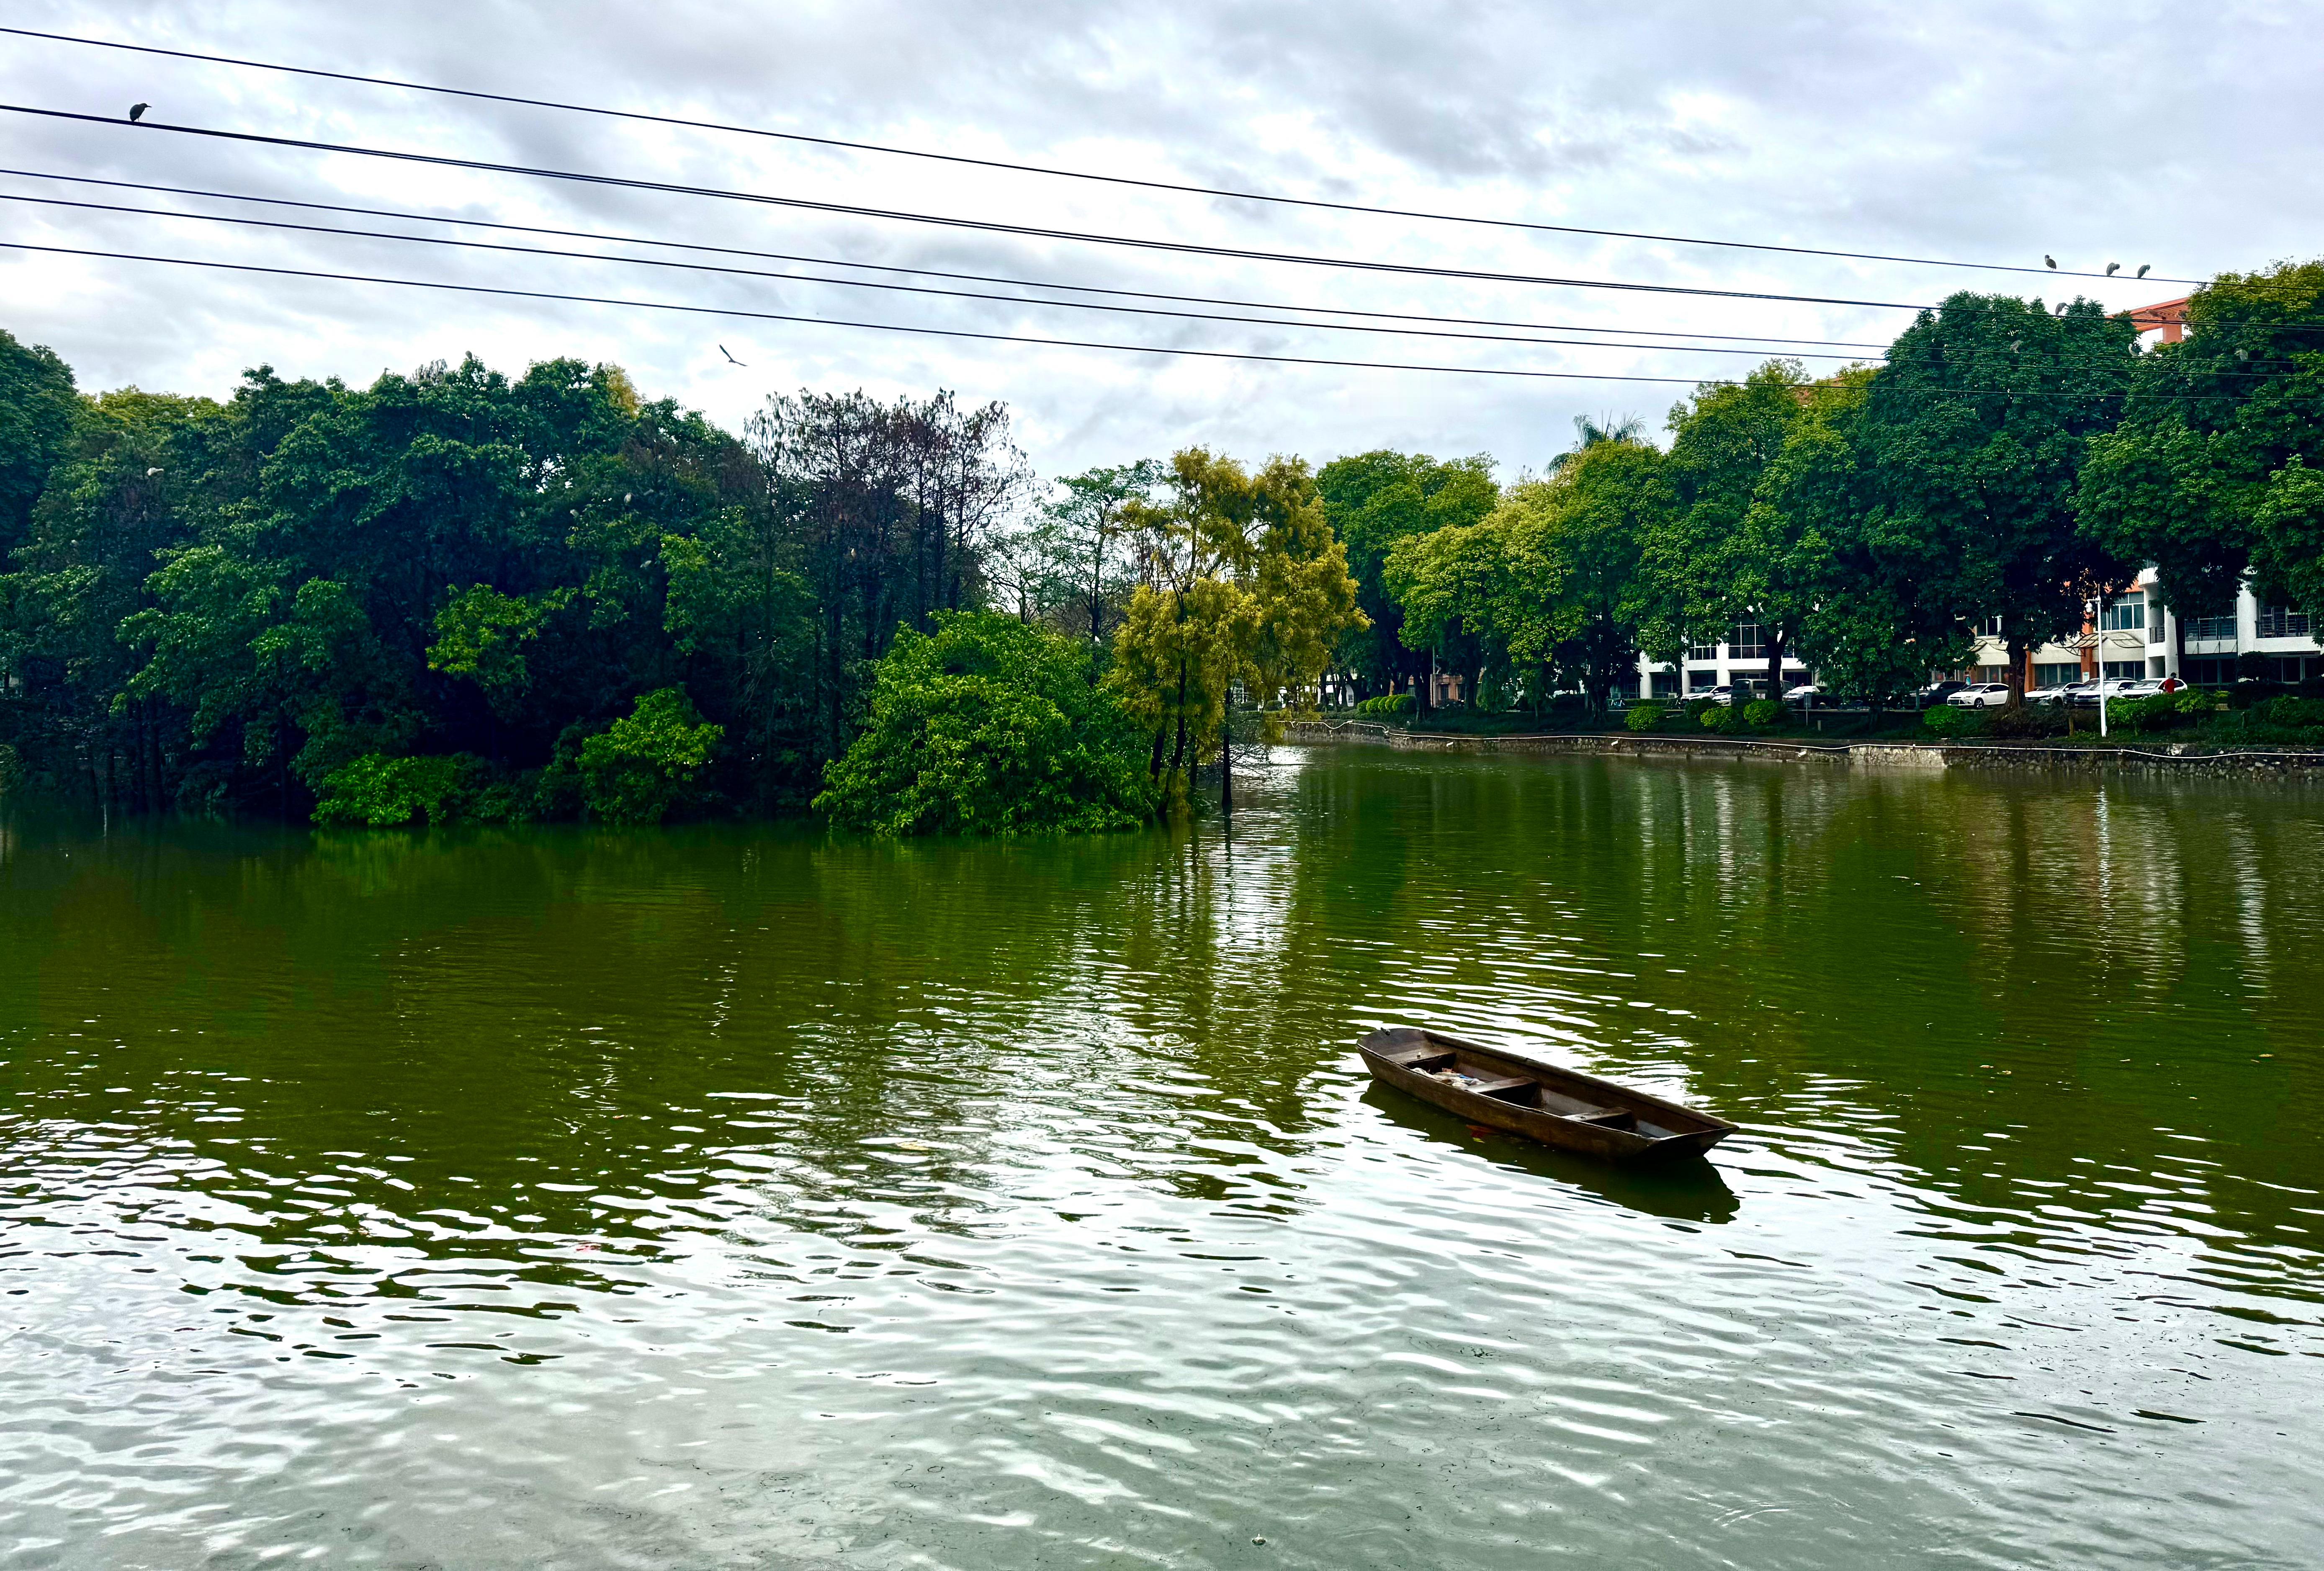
<point x="2097" y="609"/>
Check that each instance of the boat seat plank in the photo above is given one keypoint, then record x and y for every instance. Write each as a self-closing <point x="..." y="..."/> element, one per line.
<point x="1504" y="1086"/>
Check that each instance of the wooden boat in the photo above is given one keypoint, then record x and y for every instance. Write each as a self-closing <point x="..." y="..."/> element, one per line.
<point x="1559" y="1107"/>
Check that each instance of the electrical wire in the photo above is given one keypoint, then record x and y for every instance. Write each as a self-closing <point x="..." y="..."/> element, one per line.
<point x="914" y="272"/>
<point x="1118" y="180"/>
<point x="737" y="313"/>
<point x="918" y="289"/>
<point x="987" y="226"/>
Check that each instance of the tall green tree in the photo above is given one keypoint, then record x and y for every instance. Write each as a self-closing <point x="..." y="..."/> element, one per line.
<point x="1550" y="581"/>
<point x="1373" y="500"/>
<point x="1243" y="582"/>
<point x="38" y="409"/>
<point x="1967" y="449"/>
<point x="2210" y="474"/>
<point x="1727" y="551"/>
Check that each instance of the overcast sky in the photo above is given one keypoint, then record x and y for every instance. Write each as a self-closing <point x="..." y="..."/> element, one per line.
<point x="2185" y="137"/>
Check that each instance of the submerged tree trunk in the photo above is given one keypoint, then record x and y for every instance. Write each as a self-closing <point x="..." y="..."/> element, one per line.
<point x="1226" y="755"/>
<point x="1178" y="749"/>
<point x="1774" y="664"/>
<point x="2016" y="671"/>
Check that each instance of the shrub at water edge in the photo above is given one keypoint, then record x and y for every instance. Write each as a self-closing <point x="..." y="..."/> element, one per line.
<point x="1642" y="716"/>
<point x="990" y="725"/>
<point x="385" y="792"/>
<point x="636" y="769"/>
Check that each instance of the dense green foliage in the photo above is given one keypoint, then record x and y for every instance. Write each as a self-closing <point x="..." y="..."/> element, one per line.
<point x="991" y="726"/>
<point x="2214" y="469"/>
<point x="1374" y="499"/>
<point x="385" y="792"/>
<point x="2006" y="466"/>
<point x="458" y="595"/>
<point x="221" y="605"/>
<point x="1243" y="589"/>
<point x="640" y="766"/>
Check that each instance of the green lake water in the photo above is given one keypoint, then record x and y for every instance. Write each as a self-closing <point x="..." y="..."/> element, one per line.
<point x="732" y="1196"/>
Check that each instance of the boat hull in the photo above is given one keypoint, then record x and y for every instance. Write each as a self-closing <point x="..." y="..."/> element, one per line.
<point x="1543" y="1102"/>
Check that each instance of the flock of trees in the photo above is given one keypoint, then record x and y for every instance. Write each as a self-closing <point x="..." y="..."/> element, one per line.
<point x="459" y="593"/>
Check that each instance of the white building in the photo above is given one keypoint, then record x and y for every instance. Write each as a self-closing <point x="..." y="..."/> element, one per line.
<point x="1741" y="656"/>
<point x="2136" y="635"/>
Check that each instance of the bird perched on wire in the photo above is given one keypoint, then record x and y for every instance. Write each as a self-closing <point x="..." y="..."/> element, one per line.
<point x="136" y="111"/>
<point x="2050" y="260"/>
<point x="2143" y="267"/>
<point x="2113" y="268"/>
<point x="723" y="349"/>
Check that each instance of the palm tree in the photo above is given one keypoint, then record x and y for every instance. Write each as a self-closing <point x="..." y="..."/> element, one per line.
<point x="1589" y="433"/>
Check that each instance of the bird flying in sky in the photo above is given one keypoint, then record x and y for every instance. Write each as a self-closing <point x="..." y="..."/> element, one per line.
<point x="730" y="355"/>
<point x="135" y="110"/>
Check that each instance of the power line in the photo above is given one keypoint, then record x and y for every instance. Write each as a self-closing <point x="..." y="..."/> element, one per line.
<point x="1118" y="180"/>
<point x="916" y="272"/>
<point x="1176" y="247"/>
<point x="896" y="288"/>
<point x="737" y="313"/>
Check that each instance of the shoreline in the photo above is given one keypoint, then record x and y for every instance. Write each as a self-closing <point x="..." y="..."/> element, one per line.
<point x="2180" y="760"/>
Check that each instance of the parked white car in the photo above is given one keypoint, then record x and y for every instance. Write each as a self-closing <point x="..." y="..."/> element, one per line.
<point x="2087" y="694"/>
<point x="2152" y="686"/>
<point x="1802" y="694"/>
<point x="1981" y="695"/>
<point x="2056" y="693"/>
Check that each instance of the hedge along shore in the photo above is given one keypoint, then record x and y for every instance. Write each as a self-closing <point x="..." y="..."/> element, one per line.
<point x="2176" y="761"/>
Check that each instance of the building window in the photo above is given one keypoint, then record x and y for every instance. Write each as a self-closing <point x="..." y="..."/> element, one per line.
<point x="2126" y="670"/>
<point x="1702" y="652"/>
<point x="1665" y="684"/>
<point x="2211" y="627"/>
<point x="2122" y="614"/>
<point x="2054" y="676"/>
<point x="1990" y="627"/>
<point x="1701" y="681"/>
<point x="2282" y="621"/>
<point x="1746" y="643"/>
<point x="2155" y="627"/>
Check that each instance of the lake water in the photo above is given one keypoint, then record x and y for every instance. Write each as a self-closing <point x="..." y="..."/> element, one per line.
<point x="734" y="1196"/>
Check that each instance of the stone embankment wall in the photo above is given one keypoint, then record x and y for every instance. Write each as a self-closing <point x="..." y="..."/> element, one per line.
<point x="2178" y="761"/>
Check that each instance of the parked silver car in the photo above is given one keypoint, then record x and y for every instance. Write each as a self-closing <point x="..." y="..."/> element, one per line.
<point x="1980" y="696"/>
<point x="2087" y="694"/>
<point x="2056" y="693"/>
